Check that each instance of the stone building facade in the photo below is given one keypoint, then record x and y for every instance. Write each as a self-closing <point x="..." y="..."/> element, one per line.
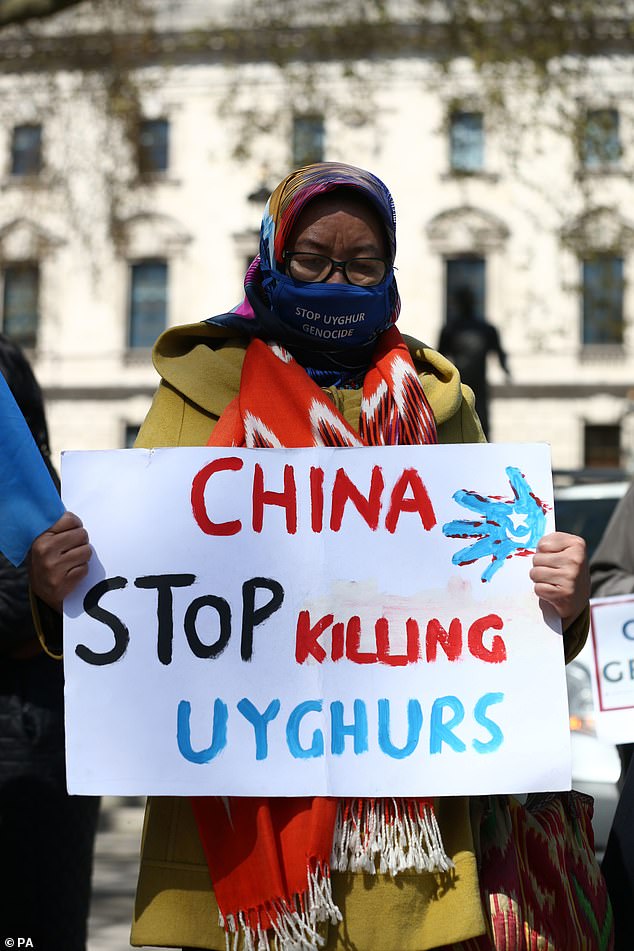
<point x="135" y="163"/>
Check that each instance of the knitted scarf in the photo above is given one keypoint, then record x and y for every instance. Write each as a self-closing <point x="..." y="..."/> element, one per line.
<point x="270" y="859"/>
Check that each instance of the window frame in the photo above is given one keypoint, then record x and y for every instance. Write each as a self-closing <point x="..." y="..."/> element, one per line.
<point x="27" y="340"/>
<point x="130" y="434"/>
<point x="309" y="157"/>
<point x="588" y="339"/>
<point x="146" y="169"/>
<point x="480" y="293"/>
<point x="614" y="461"/>
<point x="594" y="155"/>
<point x="455" y="147"/>
<point x="33" y="169"/>
<point x="134" y="269"/>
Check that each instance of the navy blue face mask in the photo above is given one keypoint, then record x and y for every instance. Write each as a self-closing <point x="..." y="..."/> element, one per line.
<point x="339" y="315"/>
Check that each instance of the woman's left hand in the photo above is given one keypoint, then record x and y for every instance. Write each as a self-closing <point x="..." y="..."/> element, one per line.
<point x="561" y="574"/>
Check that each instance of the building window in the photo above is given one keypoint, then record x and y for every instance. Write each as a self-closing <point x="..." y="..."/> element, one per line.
<point x="26" y="150"/>
<point x="130" y="433"/>
<point x="148" y="303"/>
<point x="466" y="142"/>
<point x="602" y="300"/>
<point x="601" y="144"/>
<point x="308" y="140"/>
<point x="153" y="146"/>
<point x="20" y="303"/>
<point x="602" y="446"/>
<point x="465" y="281"/>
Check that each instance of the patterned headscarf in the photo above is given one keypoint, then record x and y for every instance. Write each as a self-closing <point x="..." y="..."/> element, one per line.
<point x="293" y="194"/>
<point x="254" y="315"/>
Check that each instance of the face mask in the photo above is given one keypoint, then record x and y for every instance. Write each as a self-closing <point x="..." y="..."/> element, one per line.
<point x="341" y="315"/>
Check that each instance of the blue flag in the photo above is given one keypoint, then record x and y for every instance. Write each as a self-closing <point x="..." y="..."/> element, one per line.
<point x="29" y="500"/>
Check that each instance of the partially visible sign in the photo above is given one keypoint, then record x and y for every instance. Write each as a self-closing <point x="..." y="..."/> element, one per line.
<point x="345" y="622"/>
<point x="612" y="670"/>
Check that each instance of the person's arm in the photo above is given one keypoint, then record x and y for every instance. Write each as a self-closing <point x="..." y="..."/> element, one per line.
<point x="612" y="565"/>
<point x="497" y="348"/>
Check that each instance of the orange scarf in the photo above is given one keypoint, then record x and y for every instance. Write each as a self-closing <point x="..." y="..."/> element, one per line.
<point x="270" y="859"/>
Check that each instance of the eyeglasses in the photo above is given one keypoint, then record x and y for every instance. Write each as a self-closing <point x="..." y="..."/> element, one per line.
<point x="314" y="268"/>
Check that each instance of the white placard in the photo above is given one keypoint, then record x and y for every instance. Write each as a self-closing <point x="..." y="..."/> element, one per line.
<point x="612" y="666"/>
<point x="353" y="621"/>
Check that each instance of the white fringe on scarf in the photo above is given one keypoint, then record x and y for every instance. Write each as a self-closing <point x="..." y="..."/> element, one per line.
<point x="293" y="927"/>
<point x="400" y="841"/>
<point x="365" y="831"/>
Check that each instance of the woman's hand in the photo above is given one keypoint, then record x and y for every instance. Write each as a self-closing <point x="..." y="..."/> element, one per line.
<point x="59" y="560"/>
<point x="561" y="574"/>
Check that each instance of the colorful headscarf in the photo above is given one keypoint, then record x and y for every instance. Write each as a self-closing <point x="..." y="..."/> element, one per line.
<point x="325" y="362"/>
<point x="293" y="194"/>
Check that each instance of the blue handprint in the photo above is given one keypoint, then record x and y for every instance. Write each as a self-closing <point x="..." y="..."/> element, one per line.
<point x="506" y="527"/>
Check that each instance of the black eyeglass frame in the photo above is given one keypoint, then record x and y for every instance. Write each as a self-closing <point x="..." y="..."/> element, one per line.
<point x="287" y="256"/>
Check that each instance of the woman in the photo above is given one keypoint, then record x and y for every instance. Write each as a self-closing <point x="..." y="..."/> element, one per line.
<point x="311" y="357"/>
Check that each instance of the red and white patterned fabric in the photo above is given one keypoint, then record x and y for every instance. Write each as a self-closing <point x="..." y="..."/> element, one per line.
<point x="270" y="859"/>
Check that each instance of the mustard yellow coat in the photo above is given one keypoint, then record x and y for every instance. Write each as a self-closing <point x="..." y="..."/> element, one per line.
<point x="200" y="369"/>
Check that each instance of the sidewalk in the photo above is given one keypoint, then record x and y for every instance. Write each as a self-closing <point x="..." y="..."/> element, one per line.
<point x="114" y="874"/>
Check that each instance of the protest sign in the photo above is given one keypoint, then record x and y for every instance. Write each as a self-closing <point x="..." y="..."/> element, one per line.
<point x="612" y="667"/>
<point x="353" y="621"/>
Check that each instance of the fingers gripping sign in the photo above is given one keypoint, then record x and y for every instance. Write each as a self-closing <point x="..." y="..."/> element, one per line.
<point x="561" y="575"/>
<point x="59" y="560"/>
